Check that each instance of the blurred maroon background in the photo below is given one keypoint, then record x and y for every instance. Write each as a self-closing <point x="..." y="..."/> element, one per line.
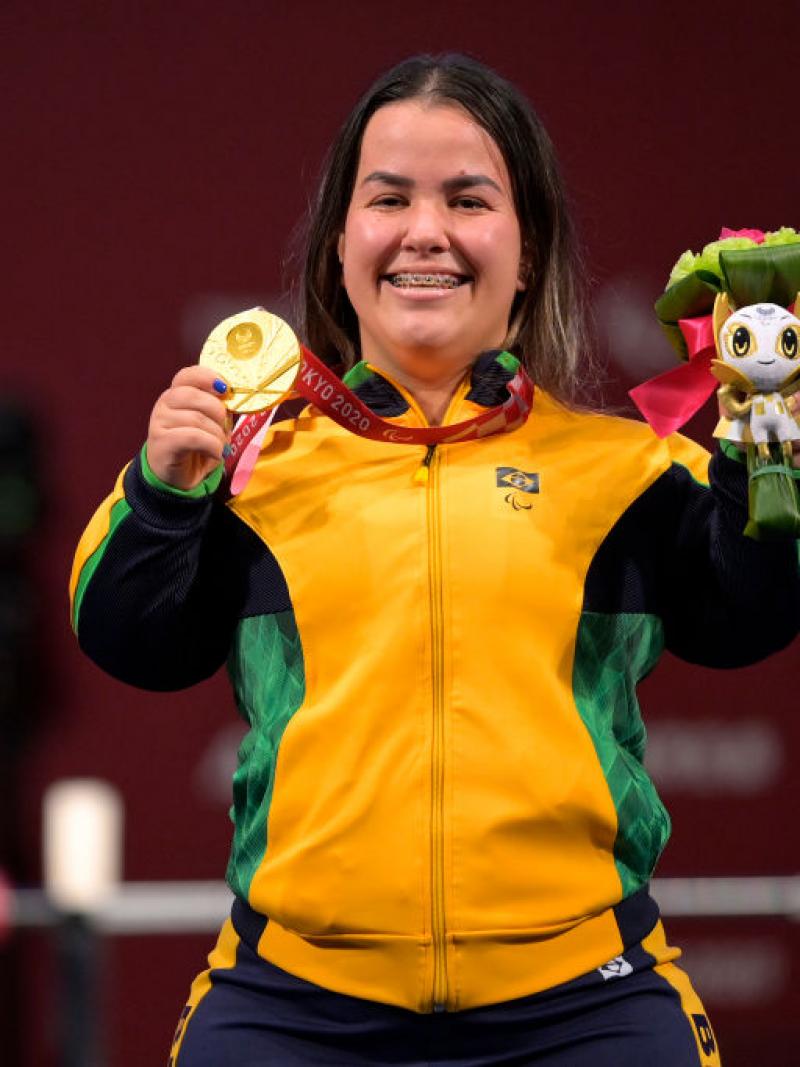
<point x="157" y="160"/>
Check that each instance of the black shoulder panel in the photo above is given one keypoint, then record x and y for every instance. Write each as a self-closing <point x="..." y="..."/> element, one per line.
<point x="679" y="552"/>
<point x="262" y="589"/>
<point x="174" y="581"/>
<point x="624" y="575"/>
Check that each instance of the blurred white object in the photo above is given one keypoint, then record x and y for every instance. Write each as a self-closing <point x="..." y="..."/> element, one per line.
<point x="83" y="825"/>
<point x="712" y="756"/>
<point x="138" y="908"/>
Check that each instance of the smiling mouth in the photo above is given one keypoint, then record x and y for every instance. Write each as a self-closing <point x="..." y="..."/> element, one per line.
<point x="765" y="362"/>
<point x="408" y="280"/>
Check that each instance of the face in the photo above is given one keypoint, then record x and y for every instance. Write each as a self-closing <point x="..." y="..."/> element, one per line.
<point x="431" y="246"/>
<point x="763" y="342"/>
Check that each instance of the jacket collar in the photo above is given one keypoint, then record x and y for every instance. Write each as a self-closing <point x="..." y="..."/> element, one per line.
<point x="489" y="376"/>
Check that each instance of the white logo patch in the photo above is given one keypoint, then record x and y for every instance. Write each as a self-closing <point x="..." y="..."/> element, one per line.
<point x="616" y="968"/>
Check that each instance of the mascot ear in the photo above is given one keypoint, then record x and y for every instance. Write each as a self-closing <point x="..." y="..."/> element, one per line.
<point x="722" y="312"/>
<point x="795" y="308"/>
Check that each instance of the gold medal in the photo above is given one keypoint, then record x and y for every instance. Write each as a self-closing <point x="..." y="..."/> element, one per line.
<point x="257" y="354"/>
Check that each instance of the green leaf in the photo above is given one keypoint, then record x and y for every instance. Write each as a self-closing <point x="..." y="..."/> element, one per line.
<point x="693" y="295"/>
<point x="766" y="274"/>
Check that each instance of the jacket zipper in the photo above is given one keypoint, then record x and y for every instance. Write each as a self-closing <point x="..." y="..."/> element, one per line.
<point x="422" y="474"/>
<point x="427" y="476"/>
<point x="438" y="918"/>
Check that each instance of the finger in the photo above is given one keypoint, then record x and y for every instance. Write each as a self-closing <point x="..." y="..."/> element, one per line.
<point x="201" y="378"/>
<point x="167" y="418"/>
<point x="181" y="441"/>
<point x="190" y="398"/>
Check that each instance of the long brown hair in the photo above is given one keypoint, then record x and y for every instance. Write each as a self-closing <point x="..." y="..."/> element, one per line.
<point x="547" y="319"/>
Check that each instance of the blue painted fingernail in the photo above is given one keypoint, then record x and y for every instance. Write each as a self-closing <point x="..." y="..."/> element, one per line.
<point x="220" y="386"/>
<point x="226" y="451"/>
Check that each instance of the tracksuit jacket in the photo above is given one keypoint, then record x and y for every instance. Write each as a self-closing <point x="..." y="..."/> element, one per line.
<point x="441" y="800"/>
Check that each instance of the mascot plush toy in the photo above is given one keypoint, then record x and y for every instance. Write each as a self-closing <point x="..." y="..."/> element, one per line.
<point x="758" y="362"/>
<point x="730" y="313"/>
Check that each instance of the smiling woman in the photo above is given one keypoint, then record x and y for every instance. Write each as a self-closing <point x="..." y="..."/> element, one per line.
<point x="504" y="172"/>
<point x="443" y="827"/>
<point x="431" y="251"/>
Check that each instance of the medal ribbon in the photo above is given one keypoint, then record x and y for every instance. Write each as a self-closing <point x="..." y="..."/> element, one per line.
<point x="318" y="384"/>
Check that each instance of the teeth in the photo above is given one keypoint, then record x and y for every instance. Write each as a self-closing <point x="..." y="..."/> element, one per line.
<point x="425" y="281"/>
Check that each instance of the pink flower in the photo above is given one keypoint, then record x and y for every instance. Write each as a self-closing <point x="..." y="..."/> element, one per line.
<point x="754" y="235"/>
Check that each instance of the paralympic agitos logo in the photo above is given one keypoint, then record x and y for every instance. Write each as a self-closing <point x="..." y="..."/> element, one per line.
<point x="517" y="483"/>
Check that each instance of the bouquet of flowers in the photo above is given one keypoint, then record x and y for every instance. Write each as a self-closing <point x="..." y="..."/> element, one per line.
<point x="729" y="312"/>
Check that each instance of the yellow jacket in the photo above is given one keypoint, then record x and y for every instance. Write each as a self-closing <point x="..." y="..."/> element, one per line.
<point x="441" y="800"/>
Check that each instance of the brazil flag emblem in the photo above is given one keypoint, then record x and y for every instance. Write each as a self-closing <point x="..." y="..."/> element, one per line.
<point x="517" y="482"/>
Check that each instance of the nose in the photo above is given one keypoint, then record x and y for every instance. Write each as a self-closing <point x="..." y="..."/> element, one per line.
<point x="426" y="229"/>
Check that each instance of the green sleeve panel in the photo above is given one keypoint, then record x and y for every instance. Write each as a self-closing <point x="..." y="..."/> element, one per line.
<point x="207" y="487"/>
<point x="119" y="511"/>
<point x="613" y="653"/>
<point x="268" y="675"/>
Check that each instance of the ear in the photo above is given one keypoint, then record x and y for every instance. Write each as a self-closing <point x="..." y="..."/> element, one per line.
<point x="795" y="308"/>
<point x="722" y="312"/>
<point x="340" y="247"/>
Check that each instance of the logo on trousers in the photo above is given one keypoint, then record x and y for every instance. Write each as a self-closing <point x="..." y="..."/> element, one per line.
<point x="616" y="968"/>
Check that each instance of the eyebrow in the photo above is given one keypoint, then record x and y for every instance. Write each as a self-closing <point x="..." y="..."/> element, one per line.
<point x="451" y="185"/>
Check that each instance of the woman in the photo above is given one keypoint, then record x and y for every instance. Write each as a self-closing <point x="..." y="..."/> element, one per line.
<point x="443" y="829"/>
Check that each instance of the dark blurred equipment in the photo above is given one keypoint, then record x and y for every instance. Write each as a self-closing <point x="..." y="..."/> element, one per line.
<point x="19" y="512"/>
<point x="78" y="948"/>
<point x="20" y="678"/>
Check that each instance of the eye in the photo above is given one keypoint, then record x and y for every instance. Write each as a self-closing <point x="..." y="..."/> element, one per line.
<point x="788" y="343"/>
<point x="739" y="342"/>
<point x="471" y="203"/>
<point x="388" y="200"/>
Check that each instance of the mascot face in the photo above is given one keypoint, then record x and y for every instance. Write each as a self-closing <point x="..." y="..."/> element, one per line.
<point x="762" y="343"/>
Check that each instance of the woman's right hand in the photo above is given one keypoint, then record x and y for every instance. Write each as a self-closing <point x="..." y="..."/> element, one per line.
<point x="188" y="428"/>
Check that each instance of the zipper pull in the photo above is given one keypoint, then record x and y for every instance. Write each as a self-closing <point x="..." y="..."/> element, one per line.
<point x="422" y="473"/>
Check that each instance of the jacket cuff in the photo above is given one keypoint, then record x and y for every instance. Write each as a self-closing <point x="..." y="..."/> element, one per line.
<point x="207" y="487"/>
<point x="732" y="452"/>
<point x="161" y="506"/>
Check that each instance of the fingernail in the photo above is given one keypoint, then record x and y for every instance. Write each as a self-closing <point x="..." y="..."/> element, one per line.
<point x="220" y="386"/>
<point x="226" y="451"/>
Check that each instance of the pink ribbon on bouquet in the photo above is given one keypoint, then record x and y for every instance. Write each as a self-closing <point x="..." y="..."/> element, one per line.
<point x="670" y="399"/>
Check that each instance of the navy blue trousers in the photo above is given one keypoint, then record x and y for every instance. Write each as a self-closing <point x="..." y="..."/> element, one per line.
<point x="255" y="1015"/>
